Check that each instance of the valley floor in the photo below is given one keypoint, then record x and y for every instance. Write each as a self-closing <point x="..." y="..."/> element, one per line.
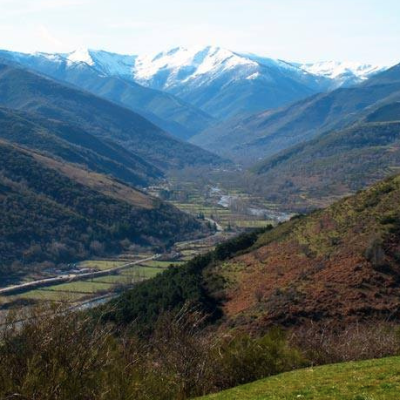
<point x="89" y="282"/>
<point x="363" y="380"/>
<point x="217" y="198"/>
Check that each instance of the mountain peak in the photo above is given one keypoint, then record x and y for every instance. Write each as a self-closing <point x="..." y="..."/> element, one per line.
<point x="181" y="64"/>
<point x="345" y="72"/>
<point x="81" y="55"/>
<point x="104" y="61"/>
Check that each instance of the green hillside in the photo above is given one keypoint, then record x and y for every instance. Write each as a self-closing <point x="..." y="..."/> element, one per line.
<point x="332" y="165"/>
<point x="364" y="380"/>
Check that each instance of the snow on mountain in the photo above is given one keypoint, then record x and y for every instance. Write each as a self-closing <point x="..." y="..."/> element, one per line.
<point x="80" y="55"/>
<point x="104" y="61"/>
<point x="343" y="73"/>
<point x="178" y="66"/>
<point x="222" y="82"/>
<point x="218" y="81"/>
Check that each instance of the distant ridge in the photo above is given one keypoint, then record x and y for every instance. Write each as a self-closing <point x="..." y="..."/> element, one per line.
<point x="177" y="83"/>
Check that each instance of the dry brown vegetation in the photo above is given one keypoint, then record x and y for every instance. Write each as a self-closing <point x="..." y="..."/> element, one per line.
<point x="339" y="265"/>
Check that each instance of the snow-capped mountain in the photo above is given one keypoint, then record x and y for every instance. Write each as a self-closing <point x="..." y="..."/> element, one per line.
<point x="224" y="83"/>
<point x="103" y="61"/>
<point x="219" y="82"/>
<point x="343" y="73"/>
<point x="109" y="75"/>
<point x="169" y="70"/>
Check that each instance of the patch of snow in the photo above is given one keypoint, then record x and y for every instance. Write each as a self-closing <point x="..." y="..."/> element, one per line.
<point x="183" y="64"/>
<point x="337" y="69"/>
<point x="253" y="76"/>
<point x="80" y="55"/>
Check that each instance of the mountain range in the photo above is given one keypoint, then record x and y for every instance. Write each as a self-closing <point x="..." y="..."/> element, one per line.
<point x="24" y="90"/>
<point x="106" y="111"/>
<point x="185" y="91"/>
<point x="267" y="133"/>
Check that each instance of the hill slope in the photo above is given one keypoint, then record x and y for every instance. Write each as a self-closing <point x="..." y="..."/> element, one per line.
<point x="75" y="145"/>
<point x="26" y="91"/>
<point x="335" y="164"/>
<point x="372" y="379"/>
<point x="53" y="212"/>
<point x="165" y="110"/>
<point x="267" y="133"/>
<point x="335" y="266"/>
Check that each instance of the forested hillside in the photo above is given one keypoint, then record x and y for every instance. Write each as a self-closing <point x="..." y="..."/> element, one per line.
<point x="315" y="173"/>
<point x="52" y="212"/>
<point x="26" y="91"/>
<point x="73" y="144"/>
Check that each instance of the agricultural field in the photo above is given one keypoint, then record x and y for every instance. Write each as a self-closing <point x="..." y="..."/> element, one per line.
<point x="78" y="291"/>
<point x="85" y="289"/>
<point x="231" y="208"/>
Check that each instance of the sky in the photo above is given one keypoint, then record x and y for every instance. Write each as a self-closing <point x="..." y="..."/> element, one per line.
<point x="294" y="30"/>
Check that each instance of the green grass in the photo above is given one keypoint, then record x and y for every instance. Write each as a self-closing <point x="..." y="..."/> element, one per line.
<point x="162" y="264"/>
<point x="82" y="287"/>
<point x="101" y="264"/>
<point x="364" y="380"/>
<point x="45" y="295"/>
<point x="141" y="272"/>
<point x="113" y="279"/>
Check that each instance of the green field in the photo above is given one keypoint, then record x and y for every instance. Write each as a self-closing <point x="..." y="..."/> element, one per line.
<point x="224" y="216"/>
<point x="141" y="272"/>
<point x="101" y="264"/>
<point x="87" y="286"/>
<point x="44" y="295"/>
<point x="364" y="380"/>
<point x="162" y="264"/>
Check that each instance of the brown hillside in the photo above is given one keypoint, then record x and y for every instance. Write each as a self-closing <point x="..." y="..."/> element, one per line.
<point x="338" y="265"/>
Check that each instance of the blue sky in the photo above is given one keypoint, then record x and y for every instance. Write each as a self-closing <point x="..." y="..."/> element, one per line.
<point x="296" y="30"/>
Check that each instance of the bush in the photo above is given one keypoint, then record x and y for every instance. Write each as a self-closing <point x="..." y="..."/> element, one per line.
<point x="59" y="355"/>
<point x="325" y="345"/>
<point x="244" y="359"/>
